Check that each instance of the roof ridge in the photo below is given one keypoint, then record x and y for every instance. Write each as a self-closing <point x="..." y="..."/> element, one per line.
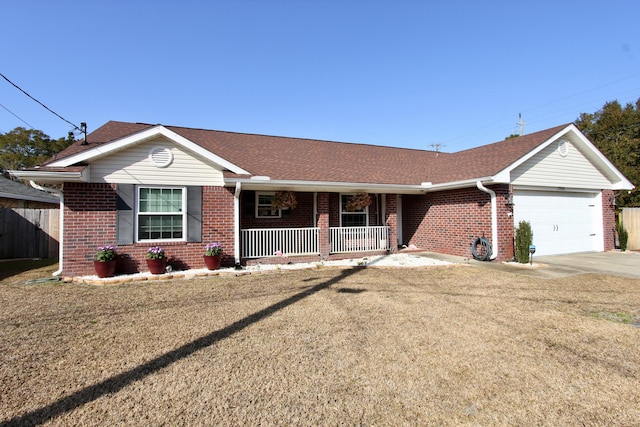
<point x="289" y="137"/>
<point x="514" y="139"/>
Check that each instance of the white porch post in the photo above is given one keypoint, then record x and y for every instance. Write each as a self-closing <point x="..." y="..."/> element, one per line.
<point x="399" y="219"/>
<point x="236" y="223"/>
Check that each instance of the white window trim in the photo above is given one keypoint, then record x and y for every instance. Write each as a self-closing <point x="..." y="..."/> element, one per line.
<point x="265" y="193"/>
<point x="365" y="211"/>
<point x="184" y="213"/>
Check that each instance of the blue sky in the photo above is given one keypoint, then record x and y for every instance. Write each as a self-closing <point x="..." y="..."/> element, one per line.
<point x="400" y="73"/>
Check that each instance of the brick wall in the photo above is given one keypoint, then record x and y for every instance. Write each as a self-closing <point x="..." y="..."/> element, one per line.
<point x="90" y="221"/>
<point x="608" y="220"/>
<point x="450" y="221"/>
<point x="217" y="224"/>
<point x="324" y="200"/>
<point x="391" y="220"/>
<point x="334" y="210"/>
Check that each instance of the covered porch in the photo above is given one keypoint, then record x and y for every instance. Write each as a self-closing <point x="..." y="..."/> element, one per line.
<point x="320" y="224"/>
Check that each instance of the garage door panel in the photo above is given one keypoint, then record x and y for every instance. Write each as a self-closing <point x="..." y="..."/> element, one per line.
<point x="561" y="222"/>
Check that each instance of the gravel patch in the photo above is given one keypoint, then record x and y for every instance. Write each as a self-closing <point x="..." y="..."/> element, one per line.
<point x="403" y="260"/>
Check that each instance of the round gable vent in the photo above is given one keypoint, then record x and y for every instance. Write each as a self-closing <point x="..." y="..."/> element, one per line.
<point x="160" y="156"/>
<point x="563" y="147"/>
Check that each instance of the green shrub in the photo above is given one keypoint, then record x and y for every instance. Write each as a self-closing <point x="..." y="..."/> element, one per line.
<point x="623" y="236"/>
<point x="524" y="239"/>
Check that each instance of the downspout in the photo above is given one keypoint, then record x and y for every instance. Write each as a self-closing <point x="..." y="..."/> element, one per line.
<point x="494" y="219"/>
<point x="236" y="224"/>
<point x="60" y="194"/>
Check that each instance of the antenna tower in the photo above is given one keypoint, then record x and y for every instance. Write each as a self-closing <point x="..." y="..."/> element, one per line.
<point x="436" y="147"/>
<point x="521" y="124"/>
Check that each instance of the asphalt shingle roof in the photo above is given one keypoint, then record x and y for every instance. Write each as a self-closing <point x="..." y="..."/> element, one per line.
<point x="284" y="158"/>
<point x="15" y="190"/>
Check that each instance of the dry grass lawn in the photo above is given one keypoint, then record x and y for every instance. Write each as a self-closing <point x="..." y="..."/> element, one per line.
<point x="426" y="346"/>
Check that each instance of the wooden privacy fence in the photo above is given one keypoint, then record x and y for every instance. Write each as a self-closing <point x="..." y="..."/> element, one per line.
<point x="29" y="232"/>
<point x="631" y="222"/>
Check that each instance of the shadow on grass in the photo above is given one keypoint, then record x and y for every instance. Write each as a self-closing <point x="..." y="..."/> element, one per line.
<point x="120" y="381"/>
<point x="350" y="291"/>
<point x="12" y="267"/>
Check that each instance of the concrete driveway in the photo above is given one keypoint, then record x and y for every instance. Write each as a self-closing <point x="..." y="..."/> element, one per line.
<point x="624" y="264"/>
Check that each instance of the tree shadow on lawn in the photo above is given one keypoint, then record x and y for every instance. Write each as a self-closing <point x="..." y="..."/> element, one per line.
<point x="29" y="268"/>
<point x="120" y="381"/>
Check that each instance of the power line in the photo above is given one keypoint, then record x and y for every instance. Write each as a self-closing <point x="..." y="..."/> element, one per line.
<point x="47" y="108"/>
<point x="496" y="125"/>
<point x="18" y="117"/>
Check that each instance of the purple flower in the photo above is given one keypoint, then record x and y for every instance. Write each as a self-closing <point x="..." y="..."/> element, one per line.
<point x="106" y="253"/>
<point x="213" y="248"/>
<point x="155" y="252"/>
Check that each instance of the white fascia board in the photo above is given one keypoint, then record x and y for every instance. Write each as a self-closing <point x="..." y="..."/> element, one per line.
<point x="487" y="180"/>
<point x="50" y="176"/>
<point x="249" y="184"/>
<point x="136" y="138"/>
<point x="623" y="183"/>
<point x="358" y="186"/>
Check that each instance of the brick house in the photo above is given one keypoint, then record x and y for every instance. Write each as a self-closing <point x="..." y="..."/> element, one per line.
<point x="139" y="185"/>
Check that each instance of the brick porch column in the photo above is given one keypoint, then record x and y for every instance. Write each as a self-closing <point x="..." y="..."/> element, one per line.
<point x="391" y="220"/>
<point x="323" y="225"/>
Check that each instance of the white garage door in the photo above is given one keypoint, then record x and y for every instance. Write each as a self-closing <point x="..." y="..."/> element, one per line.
<point x="562" y="222"/>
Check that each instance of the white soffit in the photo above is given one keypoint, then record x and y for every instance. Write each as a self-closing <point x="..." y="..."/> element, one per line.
<point x="128" y="141"/>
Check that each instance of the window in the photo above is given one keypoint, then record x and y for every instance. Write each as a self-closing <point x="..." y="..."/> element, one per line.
<point x="358" y="218"/>
<point x="161" y="214"/>
<point x="264" y="206"/>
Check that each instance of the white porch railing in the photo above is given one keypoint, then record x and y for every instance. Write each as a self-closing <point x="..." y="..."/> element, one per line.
<point x="265" y="242"/>
<point x="359" y="239"/>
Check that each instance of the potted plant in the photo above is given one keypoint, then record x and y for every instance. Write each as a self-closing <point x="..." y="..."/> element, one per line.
<point x="106" y="261"/>
<point x="358" y="202"/>
<point x="213" y="255"/>
<point x="284" y="200"/>
<point x="156" y="260"/>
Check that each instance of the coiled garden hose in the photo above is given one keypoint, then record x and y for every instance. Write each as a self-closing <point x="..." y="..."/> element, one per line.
<point x="481" y="249"/>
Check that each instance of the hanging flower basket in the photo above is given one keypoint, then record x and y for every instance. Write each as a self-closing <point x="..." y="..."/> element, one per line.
<point x="284" y="200"/>
<point x="358" y="202"/>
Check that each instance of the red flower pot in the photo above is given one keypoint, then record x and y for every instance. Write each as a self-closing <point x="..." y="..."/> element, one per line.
<point x="157" y="266"/>
<point x="105" y="268"/>
<point x="212" y="261"/>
